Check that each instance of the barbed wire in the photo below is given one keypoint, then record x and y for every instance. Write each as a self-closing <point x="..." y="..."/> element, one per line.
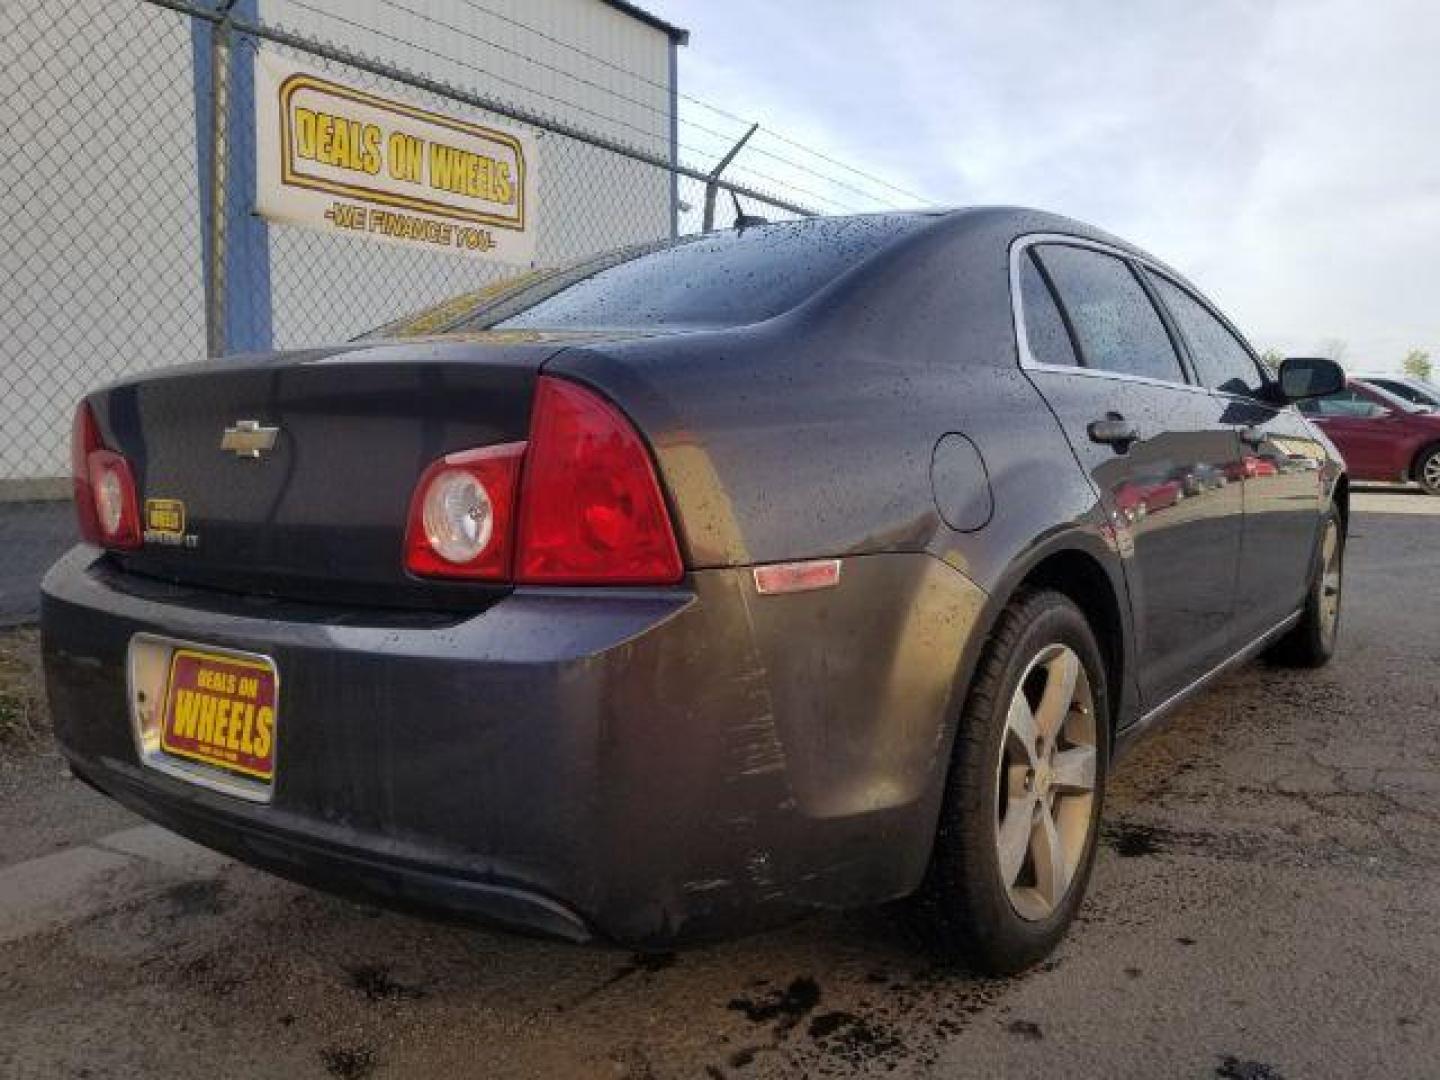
<point x="830" y="201"/>
<point x="728" y="138"/>
<point x="692" y="99"/>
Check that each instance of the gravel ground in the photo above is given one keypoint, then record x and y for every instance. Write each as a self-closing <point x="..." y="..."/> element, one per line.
<point x="1265" y="906"/>
<point x="32" y="536"/>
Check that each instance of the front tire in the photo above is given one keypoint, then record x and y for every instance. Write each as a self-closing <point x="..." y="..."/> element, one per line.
<point x="1310" y="643"/>
<point x="1019" y="823"/>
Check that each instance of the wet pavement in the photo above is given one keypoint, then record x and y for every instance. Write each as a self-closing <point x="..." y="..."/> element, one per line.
<point x="1266" y="905"/>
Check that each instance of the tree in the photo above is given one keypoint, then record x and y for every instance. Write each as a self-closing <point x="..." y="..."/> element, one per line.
<point x="1272" y="359"/>
<point x="1417" y="364"/>
<point x="1335" y="349"/>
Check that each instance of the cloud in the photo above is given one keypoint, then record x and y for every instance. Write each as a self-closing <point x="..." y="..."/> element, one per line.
<point x="1282" y="154"/>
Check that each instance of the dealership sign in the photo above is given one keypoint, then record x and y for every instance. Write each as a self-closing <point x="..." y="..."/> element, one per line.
<point x="334" y="157"/>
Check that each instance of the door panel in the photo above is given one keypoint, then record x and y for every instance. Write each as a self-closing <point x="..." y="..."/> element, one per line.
<point x="1364" y="442"/>
<point x="1175" y="510"/>
<point x="1277" y="471"/>
<point x="1282" y="469"/>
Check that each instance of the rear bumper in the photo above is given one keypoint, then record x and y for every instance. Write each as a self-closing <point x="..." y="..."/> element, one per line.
<point x="649" y="766"/>
<point x="363" y="874"/>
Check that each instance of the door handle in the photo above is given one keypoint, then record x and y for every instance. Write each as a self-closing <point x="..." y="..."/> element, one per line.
<point x="1114" y="430"/>
<point x="1252" y="436"/>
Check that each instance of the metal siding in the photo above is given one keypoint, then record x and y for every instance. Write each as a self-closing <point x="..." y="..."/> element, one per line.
<point x="617" y="201"/>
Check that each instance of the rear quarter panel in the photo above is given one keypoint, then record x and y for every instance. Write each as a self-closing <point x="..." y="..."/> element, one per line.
<point x="812" y="435"/>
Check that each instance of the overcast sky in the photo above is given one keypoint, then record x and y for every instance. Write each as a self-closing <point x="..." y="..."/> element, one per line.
<point x="1285" y="155"/>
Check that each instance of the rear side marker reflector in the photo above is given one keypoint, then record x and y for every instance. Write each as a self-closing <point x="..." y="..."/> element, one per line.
<point x="793" y="577"/>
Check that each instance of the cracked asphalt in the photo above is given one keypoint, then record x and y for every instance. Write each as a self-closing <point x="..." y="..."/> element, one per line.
<point x="1266" y="905"/>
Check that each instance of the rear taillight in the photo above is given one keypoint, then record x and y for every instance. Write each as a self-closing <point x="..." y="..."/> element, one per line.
<point x="585" y="509"/>
<point x="106" y="502"/>
<point x="591" y="510"/>
<point x="462" y="516"/>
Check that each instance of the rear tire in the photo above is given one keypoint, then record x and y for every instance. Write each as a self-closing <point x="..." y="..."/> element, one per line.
<point x="1310" y="643"/>
<point x="1427" y="471"/>
<point x="1018" y="827"/>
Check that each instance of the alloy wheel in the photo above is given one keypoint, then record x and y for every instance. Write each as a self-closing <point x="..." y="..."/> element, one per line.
<point x="1047" y="773"/>
<point x="1430" y="474"/>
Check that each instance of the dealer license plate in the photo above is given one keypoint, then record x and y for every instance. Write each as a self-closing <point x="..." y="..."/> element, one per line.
<point x="220" y="711"/>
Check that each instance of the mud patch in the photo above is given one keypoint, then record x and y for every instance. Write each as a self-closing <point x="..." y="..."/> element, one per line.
<point x="1234" y="1068"/>
<point x="651" y="962"/>
<point x="376" y="983"/>
<point x="889" y="1023"/>
<point x="1132" y="841"/>
<point x="209" y="974"/>
<point x="348" y="1062"/>
<point x="786" y="1007"/>
<point x="639" y="963"/>
<point x="1025" y="1029"/>
<point x="191" y="898"/>
<point x="853" y="1039"/>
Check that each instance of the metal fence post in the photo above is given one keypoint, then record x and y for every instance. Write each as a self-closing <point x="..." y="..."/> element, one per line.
<point x="219" y="185"/>
<point x="211" y="58"/>
<point x="713" y="180"/>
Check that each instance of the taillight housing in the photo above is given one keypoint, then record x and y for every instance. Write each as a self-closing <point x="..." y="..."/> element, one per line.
<point x="462" y="515"/>
<point x="107" y="505"/>
<point x="578" y="504"/>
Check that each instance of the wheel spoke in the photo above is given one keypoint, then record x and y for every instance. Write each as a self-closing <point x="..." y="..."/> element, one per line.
<point x="1075" y="770"/>
<point x="1048" y="855"/>
<point x="1014" y="838"/>
<point x="1061" y="674"/>
<point x="1021" y="721"/>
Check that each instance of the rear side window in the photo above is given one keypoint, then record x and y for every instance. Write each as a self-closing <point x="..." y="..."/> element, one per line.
<point x="1116" y="326"/>
<point x="1045" y="331"/>
<point x="1220" y="360"/>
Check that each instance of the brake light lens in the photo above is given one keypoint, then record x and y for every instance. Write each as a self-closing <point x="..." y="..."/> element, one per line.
<point x="462" y="516"/>
<point x="579" y="504"/>
<point x="106" y="503"/>
<point x="591" y="509"/>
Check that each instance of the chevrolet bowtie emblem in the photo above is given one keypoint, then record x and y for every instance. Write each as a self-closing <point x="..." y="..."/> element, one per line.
<point x="247" y="439"/>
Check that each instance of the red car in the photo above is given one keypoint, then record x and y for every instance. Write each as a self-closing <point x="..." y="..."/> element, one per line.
<point x="1380" y="436"/>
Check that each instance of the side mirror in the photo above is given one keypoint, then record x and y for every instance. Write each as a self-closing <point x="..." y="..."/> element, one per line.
<point x="1304" y="377"/>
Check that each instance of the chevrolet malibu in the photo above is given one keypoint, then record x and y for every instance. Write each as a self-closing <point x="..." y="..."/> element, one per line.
<point x="698" y="585"/>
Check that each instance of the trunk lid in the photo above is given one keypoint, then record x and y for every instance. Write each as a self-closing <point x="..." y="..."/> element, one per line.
<point x="321" y="513"/>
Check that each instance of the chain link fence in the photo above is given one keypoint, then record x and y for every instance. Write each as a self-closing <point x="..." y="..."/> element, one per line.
<point x="128" y="189"/>
<point x="117" y="261"/>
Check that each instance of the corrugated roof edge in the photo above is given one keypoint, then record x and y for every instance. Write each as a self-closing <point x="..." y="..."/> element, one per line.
<point x="677" y="34"/>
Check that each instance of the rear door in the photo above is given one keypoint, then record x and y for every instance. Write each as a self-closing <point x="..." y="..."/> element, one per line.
<point x="1156" y="447"/>
<point x="1357" y="426"/>
<point x="1280" y="464"/>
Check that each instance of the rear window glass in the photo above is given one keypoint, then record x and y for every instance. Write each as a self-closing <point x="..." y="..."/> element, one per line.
<point x="714" y="280"/>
